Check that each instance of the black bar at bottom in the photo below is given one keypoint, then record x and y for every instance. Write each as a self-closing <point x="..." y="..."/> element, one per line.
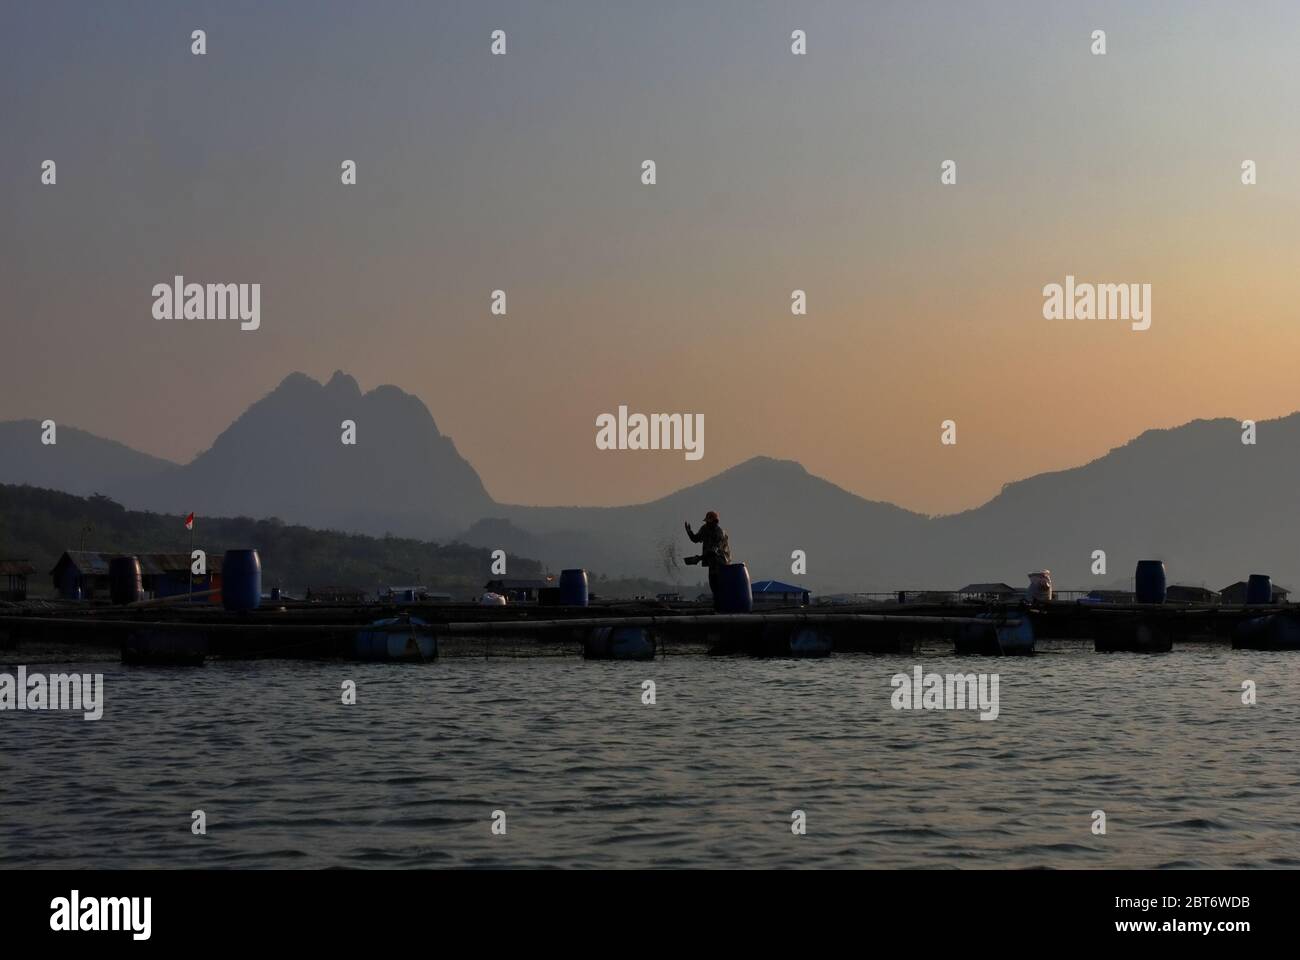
<point x="334" y="909"/>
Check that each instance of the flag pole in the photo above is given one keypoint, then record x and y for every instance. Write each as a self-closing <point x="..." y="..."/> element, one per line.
<point x="190" y="599"/>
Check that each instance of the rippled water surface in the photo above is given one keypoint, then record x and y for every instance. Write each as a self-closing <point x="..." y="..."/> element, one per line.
<point x="587" y="775"/>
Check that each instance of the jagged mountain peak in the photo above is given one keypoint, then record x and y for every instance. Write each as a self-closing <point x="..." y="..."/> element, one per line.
<point x="1214" y="508"/>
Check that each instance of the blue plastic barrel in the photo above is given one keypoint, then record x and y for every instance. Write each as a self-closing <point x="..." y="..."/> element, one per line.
<point x="1150" y="583"/>
<point x="734" y="592"/>
<point x="124" y="581"/>
<point x="241" y="580"/>
<point x="398" y="645"/>
<point x="619" y="643"/>
<point x="1274" y="632"/>
<point x="573" y="588"/>
<point x="810" y="642"/>
<point x="1259" y="588"/>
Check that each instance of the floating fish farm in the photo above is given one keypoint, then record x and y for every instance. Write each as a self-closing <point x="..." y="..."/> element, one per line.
<point x="245" y="626"/>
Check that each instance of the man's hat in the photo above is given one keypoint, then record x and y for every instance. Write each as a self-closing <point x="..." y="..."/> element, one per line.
<point x="711" y="517"/>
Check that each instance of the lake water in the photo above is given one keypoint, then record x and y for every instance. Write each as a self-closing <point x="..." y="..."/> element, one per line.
<point x="708" y="776"/>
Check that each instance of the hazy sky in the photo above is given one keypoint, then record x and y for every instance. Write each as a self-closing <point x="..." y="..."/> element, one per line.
<point x="775" y="172"/>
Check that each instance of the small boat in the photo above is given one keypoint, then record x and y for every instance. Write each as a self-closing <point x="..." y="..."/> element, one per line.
<point x="401" y="646"/>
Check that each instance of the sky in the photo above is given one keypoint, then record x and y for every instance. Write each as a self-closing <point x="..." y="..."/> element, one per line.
<point x="775" y="172"/>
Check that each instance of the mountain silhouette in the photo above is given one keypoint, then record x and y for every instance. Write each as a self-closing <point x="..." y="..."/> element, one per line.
<point x="1214" y="509"/>
<point x="78" y="462"/>
<point x="284" y="457"/>
<point x="770" y="508"/>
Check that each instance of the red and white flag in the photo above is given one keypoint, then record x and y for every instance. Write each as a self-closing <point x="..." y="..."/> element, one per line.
<point x="189" y="522"/>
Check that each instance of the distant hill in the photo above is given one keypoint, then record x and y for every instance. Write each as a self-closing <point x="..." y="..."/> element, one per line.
<point x="770" y="508"/>
<point x="79" y="462"/>
<point x="1214" y="509"/>
<point x="283" y="457"/>
<point x="38" y="525"/>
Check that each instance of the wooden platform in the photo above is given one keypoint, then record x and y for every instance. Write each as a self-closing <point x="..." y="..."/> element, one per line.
<point x="183" y="632"/>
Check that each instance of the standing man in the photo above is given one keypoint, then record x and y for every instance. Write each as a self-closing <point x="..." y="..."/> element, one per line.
<point x="715" y="551"/>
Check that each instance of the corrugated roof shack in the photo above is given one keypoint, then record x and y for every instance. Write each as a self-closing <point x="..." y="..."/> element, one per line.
<point x="988" y="592"/>
<point x="332" y="594"/>
<point x="1182" y="593"/>
<point x="1235" y="594"/>
<point x="782" y="594"/>
<point x="83" y="574"/>
<point x="168" y="574"/>
<point x="520" y="590"/>
<point x="1109" y="596"/>
<point x="14" y="574"/>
